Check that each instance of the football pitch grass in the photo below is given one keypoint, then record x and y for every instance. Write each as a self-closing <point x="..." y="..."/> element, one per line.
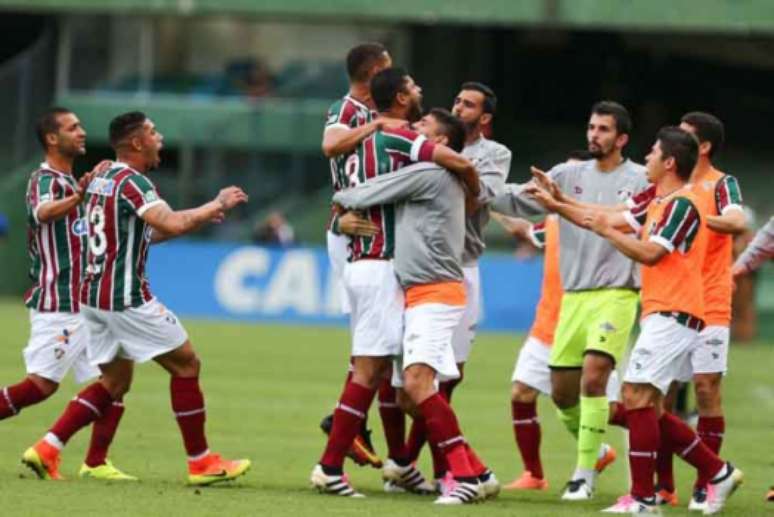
<point x="266" y="389"/>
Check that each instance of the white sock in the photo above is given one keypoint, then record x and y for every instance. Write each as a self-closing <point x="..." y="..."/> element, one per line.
<point x="54" y="441"/>
<point x="589" y="475"/>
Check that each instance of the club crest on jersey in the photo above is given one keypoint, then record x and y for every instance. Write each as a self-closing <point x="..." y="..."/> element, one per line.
<point x="578" y="189"/>
<point x="101" y="187"/>
<point x="79" y="227"/>
<point x="707" y="185"/>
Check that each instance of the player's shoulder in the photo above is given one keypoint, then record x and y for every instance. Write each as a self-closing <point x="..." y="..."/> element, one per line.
<point x="495" y="147"/>
<point x="632" y="168"/>
<point x="399" y="132"/>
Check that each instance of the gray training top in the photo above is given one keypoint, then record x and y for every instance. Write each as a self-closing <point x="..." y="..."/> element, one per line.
<point x="759" y="250"/>
<point x="493" y="163"/>
<point x="587" y="261"/>
<point x="429" y="220"/>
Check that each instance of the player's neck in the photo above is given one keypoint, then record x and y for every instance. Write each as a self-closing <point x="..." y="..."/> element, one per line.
<point x="472" y="136"/>
<point x="133" y="161"/>
<point x="60" y="163"/>
<point x="361" y="93"/>
<point x="399" y="114"/>
<point x="703" y="167"/>
<point x="610" y="162"/>
<point x="669" y="184"/>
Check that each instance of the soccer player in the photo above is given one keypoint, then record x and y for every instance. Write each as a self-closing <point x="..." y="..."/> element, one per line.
<point x="428" y="266"/>
<point x="58" y="334"/>
<point x="126" y="323"/>
<point x="672" y="249"/>
<point x="475" y="105"/>
<point x="600" y="284"/>
<point x="374" y="295"/>
<point x="349" y="121"/>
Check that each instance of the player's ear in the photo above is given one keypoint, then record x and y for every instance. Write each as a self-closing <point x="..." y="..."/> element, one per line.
<point x="52" y="139"/>
<point x="135" y="142"/>
<point x="705" y="147"/>
<point x="486" y="119"/>
<point x="621" y="140"/>
<point x="442" y="139"/>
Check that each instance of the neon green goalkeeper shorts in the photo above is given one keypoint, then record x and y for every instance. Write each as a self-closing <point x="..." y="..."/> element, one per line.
<point x="598" y="320"/>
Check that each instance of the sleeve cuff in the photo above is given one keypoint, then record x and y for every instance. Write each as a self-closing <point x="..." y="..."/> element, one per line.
<point x="416" y="148"/>
<point x="732" y="206"/>
<point x="664" y="243"/>
<point x="533" y="239"/>
<point x="147" y="206"/>
<point x="632" y="221"/>
<point x="337" y="125"/>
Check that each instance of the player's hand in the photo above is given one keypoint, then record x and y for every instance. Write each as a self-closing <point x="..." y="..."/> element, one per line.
<point x="83" y="184"/>
<point x="230" y="197"/>
<point x="545" y="182"/>
<point x="351" y="223"/>
<point x="543" y="197"/>
<point x="596" y="221"/>
<point x="392" y="123"/>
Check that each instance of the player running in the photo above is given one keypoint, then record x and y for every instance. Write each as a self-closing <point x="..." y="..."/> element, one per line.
<point x="58" y="334"/>
<point x="600" y="301"/>
<point x="126" y="323"/>
<point x="672" y="249"/>
<point x="373" y="292"/>
<point x="428" y="266"/>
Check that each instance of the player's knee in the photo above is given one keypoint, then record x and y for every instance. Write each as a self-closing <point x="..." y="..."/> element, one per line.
<point x="564" y="400"/>
<point x="405" y="403"/>
<point x="117" y="387"/>
<point x="594" y="385"/>
<point x="522" y="393"/>
<point x="418" y="384"/>
<point x="707" y="393"/>
<point x="637" y="396"/>
<point x="47" y="387"/>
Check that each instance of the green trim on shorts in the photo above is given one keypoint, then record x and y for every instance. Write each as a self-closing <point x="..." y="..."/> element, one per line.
<point x="600" y="320"/>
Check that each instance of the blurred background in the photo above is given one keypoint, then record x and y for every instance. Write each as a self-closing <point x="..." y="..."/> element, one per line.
<point x="240" y="89"/>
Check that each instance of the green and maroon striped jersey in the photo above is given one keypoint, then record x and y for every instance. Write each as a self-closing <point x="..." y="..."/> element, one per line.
<point x="383" y="152"/>
<point x="56" y="248"/>
<point x="347" y="113"/>
<point x="118" y="239"/>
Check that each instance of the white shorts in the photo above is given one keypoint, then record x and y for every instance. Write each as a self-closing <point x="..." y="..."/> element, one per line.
<point x="138" y="333"/>
<point x="662" y="352"/>
<point x="532" y="369"/>
<point x="338" y="252"/>
<point x="377" y="303"/>
<point x="428" y="340"/>
<point x="465" y="332"/>
<point x="57" y="344"/>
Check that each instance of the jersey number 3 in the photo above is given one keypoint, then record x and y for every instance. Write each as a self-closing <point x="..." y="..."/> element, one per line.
<point x="97" y="237"/>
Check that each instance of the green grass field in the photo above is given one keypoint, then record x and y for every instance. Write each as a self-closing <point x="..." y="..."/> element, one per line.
<point x="267" y="388"/>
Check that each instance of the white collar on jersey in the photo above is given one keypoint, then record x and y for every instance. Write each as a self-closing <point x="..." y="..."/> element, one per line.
<point x="355" y="101"/>
<point x="45" y="165"/>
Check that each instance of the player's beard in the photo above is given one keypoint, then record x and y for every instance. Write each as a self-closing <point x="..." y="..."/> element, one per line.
<point x="414" y="112"/>
<point x="598" y="152"/>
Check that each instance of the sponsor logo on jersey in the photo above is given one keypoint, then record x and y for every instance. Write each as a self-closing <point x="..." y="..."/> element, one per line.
<point x="624" y="194"/>
<point x="578" y="189"/>
<point x="607" y="327"/>
<point x="79" y="227"/>
<point x="707" y="185"/>
<point x="150" y="196"/>
<point x="101" y="187"/>
<point x="44" y="198"/>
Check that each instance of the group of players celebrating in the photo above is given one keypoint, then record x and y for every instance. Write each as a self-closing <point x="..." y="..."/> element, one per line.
<point x="412" y="196"/>
<point x="91" y="309"/>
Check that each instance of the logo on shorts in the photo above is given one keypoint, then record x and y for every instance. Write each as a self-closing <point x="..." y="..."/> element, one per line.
<point x="715" y="355"/>
<point x="578" y="189"/>
<point x="64" y="338"/>
<point x="412" y="337"/>
<point x="714" y="342"/>
<point x="58" y="353"/>
<point x="607" y="327"/>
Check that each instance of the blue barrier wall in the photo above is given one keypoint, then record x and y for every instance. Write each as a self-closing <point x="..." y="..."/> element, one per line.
<point x="251" y="283"/>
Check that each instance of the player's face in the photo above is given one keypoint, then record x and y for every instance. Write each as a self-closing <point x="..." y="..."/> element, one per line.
<point x="414" y="99"/>
<point x="654" y="162"/>
<point x="71" y="137"/>
<point x="429" y="127"/>
<point x="469" y="107"/>
<point x="152" y="142"/>
<point x="602" y="136"/>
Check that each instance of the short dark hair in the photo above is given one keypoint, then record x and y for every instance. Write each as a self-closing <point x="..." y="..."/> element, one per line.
<point x="490" y="99"/>
<point x="580" y="154"/>
<point x="386" y="85"/>
<point x="124" y="125"/>
<point x="48" y="123"/>
<point x="361" y="58"/>
<point x="708" y="128"/>
<point x="452" y="127"/>
<point x="623" y="121"/>
<point x="682" y="146"/>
